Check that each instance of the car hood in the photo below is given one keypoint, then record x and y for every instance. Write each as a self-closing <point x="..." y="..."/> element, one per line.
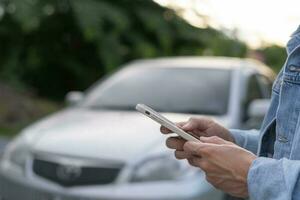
<point x="117" y="135"/>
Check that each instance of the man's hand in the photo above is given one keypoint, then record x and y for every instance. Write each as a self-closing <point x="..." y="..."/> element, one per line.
<point x="225" y="164"/>
<point x="200" y="127"/>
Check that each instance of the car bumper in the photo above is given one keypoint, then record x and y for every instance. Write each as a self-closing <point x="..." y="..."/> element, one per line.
<point x="15" y="186"/>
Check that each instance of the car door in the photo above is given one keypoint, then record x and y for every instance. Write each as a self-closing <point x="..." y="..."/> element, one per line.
<point x="257" y="87"/>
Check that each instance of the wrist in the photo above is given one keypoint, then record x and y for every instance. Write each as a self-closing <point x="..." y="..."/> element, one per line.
<point x="231" y="138"/>
<point x="237" y="136"/>
<point x="246" y="167"/>
<point x="228" y="136"/>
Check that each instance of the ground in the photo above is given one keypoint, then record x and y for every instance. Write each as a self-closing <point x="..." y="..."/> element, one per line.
<point x="19" y="108"/>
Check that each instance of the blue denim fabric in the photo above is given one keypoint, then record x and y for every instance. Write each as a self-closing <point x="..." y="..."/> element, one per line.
<point x="277" y="177"/>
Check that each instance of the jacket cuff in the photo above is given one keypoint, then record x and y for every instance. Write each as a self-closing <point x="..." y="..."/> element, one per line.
<point x="265" y="179"/>
<point x="246" y="139"/>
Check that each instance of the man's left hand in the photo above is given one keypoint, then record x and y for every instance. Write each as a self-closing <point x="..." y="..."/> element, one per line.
<point x="225" y="164"/>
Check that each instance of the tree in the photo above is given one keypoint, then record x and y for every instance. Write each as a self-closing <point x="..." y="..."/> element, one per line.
<point x="54" y="46"/>
<point x="274" y="56"/>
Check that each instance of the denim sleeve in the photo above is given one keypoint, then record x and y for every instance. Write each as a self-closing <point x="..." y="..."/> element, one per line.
<point x="246" y="139"/>
<point x="274" y="179"/>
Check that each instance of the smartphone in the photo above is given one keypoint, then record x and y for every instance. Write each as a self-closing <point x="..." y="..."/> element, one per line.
<point x="152" y="114"/>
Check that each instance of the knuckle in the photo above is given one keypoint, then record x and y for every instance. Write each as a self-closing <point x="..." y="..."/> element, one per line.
<point x="204" y="151"/>
<point x="214" y="137"/>
<point x="209" y="152"/>
<point x="199" y="151"/>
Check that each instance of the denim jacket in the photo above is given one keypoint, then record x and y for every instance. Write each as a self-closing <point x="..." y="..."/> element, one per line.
<point x="276" y="175"/>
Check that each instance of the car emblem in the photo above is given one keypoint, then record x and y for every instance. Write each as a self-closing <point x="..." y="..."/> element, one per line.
<point x="68" y="173"/>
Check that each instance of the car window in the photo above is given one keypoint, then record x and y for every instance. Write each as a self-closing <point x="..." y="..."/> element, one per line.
<point x="166" y="89"/>
<point x="266" y="85"/>
<point x="253" y="92"/>
<point x="253" y="89"/>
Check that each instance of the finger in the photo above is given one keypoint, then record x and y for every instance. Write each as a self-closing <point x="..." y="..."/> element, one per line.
<point x="181" y="155"/>
<point x="193" y="148"/>
<point x="213" y="140"/>
<point x="202" y="164"/>
<point x="165" y="130"/>
<point x="201" y="123"/>
<point x="175" y="143"/>
<point x="199" y="149"/>
<point x="190" y="125"/>
<point x="191" y="162"/>
<point x="194" y="160"/>
<point x="180" y="124"/>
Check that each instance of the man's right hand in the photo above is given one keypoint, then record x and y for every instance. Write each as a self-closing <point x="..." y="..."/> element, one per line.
<point x="200" y="127"/>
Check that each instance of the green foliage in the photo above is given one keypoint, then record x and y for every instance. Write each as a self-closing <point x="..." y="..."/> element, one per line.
<point x="54" y="46"/>
<point x="274" y="56"/>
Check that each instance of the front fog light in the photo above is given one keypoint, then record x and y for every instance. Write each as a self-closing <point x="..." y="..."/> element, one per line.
<point x="158" y="169"/>
<point x="17" y="153"/>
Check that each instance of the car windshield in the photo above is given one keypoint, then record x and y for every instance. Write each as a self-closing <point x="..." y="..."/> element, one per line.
<point x="175" y="90"/>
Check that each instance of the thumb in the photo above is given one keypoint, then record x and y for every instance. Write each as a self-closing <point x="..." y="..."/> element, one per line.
<point x="200" y="123"/>
<point x="189" y="126"/>
<point x="213" y="140"/>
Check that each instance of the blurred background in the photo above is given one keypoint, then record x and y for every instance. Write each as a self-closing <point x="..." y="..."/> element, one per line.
<point x="94" y="144"/>
<point x="49" y="47"/>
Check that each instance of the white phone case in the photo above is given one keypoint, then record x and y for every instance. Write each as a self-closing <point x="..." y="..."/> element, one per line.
<point x="149" y="112"/>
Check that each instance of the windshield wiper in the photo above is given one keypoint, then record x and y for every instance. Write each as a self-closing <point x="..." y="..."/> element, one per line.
<point x="112" y="107"/>
<point x="132" y="108"/>
<point x="196" y="112"/>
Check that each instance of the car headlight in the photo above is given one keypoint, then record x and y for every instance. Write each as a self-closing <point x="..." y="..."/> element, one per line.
<point x="17" y="153"/>
<point x="161" y="168"/>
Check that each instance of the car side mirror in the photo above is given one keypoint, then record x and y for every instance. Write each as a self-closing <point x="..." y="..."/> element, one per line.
<point x="73" y="97"/>
<point x="258" y="108"/>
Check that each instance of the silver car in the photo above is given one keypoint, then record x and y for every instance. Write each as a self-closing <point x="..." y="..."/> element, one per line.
<point x="101" y="148"/>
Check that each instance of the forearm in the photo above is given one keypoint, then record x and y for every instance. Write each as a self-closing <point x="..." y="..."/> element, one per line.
<point x="246" y="139"/>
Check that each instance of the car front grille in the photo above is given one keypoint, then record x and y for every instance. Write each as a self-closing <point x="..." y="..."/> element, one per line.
<point x="68" y="175"/>
<point x="11" y="190"/>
